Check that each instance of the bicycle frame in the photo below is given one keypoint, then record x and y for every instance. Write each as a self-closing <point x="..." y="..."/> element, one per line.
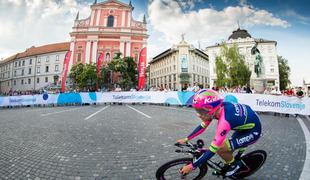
<point x="196" y="151"/>
<point x="252" y="162"/>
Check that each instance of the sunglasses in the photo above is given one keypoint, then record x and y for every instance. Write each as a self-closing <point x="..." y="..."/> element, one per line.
<point x="202" y="111"/>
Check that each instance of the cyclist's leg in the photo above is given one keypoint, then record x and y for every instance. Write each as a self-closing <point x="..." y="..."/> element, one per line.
<point x="241" y="139"/>
<point x="225" y="152"/>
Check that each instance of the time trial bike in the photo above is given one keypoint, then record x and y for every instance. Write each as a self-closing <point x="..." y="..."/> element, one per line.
<point x="250" y="163"/>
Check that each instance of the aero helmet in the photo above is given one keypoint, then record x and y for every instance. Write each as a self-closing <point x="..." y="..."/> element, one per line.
<point x="207" y="101"/>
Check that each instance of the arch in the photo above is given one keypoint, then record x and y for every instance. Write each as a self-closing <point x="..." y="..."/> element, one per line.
<point x="107" y="57"/>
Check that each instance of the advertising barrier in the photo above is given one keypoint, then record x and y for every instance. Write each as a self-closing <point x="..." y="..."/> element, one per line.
<point x="273" y="103"/>
<point x="259" y="102"/>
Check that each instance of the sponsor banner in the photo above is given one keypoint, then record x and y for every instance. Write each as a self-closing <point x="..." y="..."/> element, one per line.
<point x="263" y="103"/>
<point x="65" y="70"/>
<point x="139" y="97"/>
<point x="90" y="98"/>
<point x="21" y="100"/>
<point x="46" y="98"/>
<point x="272" y="103"/>
<point x="99" y="63"/>
<point x="142" y="69"/>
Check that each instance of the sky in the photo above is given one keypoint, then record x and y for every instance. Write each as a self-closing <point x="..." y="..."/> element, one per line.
<point x="26" y="23"/>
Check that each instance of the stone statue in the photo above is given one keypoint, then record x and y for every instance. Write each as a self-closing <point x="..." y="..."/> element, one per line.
<point x="258" y="63"/>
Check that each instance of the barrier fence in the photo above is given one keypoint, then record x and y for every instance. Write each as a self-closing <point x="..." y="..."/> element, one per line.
<point x="259" y="102"/>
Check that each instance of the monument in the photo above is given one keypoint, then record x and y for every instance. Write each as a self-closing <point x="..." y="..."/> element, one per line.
<point x="259" y="81"/>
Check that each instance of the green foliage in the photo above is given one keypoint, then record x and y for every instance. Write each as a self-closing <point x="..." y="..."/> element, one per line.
<point x="75" y="72"/>
<point x="231" y="69"/>
<point x="131" y="71"/>
<point x="126" y="67"/>
<point x="284" y="71"/>
<point x="89" y="76"/>
<point x="221" y="70"/>
<point x="84" y="76"/>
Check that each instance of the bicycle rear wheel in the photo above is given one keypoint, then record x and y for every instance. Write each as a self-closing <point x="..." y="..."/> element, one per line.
<point x="252" y="162"/>
<point x="170" y="170"/>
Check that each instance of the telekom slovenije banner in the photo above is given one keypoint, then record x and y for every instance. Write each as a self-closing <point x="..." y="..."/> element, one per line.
<point x="142" y="69"/>
<point x="99" y="63"/>
<point x="65" y="70"/>
<point x="259" y="102"/>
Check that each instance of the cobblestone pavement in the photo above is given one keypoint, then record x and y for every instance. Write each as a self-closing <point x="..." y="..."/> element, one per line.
<point x="121" y="143"/>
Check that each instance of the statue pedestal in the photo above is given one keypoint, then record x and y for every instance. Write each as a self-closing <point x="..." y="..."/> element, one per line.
<point x="259" y="85"/>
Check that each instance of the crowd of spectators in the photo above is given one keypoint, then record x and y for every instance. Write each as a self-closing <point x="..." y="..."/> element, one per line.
<point x="299" y="92"/>
<point x="20" y="93"/>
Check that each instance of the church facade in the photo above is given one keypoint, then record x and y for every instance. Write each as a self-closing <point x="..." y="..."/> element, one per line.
<point x="110" y="29"/>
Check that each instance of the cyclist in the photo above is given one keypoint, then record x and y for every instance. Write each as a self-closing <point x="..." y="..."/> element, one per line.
<point x="231" y="116"/>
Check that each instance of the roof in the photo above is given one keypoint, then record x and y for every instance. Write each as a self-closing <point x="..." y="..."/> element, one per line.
<point x="168" y="51"/>
<point x="9" y="58"/>
<point x="239" y="33"/>
<point x="157" y="57"/>
<point x="259" y="40"/>
<point x="32" y="51"/>
<point x="265" y="41"/>
<point x="201" y="53"/>
<point x="113" y="1"/>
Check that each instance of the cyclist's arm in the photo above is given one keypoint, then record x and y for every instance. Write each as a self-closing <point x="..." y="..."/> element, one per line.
<point x="222" y="130"/>
<point x="199" y="129"/>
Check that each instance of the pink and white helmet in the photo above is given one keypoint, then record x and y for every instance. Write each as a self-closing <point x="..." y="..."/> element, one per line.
<point x="207" y="100"/>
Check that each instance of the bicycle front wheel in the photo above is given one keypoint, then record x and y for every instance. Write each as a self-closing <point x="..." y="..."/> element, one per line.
<point x="170" y="170"/>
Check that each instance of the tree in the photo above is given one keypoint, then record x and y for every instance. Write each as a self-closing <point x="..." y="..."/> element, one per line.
<point x="231" y="69"/>
<point x="89" y="77"/>
<point x="129" y="75"/>
<point x="75" y="72"/>
<point x="284" y="72"/>
<point x="221" y="70"/>
<point x="126" y="67"/>
<point x="105" y="77"/>
<point x="84" y="76"/>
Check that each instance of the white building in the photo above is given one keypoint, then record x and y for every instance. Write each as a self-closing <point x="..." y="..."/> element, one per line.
<point x="245" y="43"/>
<point x="306" y="87"/>
<point x="33" y="69"/>
<point x="179" y="67"/>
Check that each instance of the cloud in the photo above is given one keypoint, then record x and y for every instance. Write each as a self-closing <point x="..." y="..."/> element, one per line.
<point x="25" y="23"/>
<point x="301" y="18"/>
<point x="206" y="25"/>
<point x="243" y="2"/>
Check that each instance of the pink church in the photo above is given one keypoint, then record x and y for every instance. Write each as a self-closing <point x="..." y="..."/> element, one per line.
<point x="109" y="29"/>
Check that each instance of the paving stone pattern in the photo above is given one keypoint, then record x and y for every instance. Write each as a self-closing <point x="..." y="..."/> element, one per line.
<point x="120" y="143"/>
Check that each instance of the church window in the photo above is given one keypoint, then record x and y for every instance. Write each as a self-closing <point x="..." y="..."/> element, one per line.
<point x="110" y="21"/>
